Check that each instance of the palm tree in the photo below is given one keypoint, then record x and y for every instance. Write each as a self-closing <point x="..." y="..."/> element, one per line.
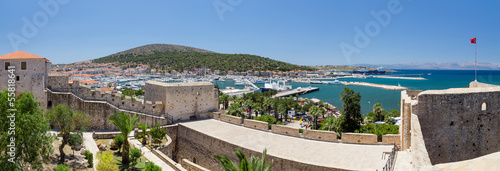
<point x="268" y="103"/>
<point x="248" y="104"/>
<point x="255" y="164"/>
<point x="315" y="112"/>
<point x="257" y="107"/>
<point x="144" y="128"/>
<point x="224" y="99"/>
<point x="235" y="109"/>
<point x="125" y="124"/>
<point x="378" y="111"/>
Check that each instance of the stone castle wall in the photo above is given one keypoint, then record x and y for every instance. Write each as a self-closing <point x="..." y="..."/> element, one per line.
<point x="455" y="124"/>
<point x="320" y="135"/>
<point x="59" y="83"/>
<point x="184" y="100"/>
<point x="459" y="124"/>
<point x="358" y="138"/>
<point x="99" y="111"/>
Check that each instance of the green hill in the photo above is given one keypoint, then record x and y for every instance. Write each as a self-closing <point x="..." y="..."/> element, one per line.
<point x="174" y="57"/>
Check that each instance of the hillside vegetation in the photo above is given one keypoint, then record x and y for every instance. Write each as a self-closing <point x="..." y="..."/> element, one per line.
<point x="173" y="57"/>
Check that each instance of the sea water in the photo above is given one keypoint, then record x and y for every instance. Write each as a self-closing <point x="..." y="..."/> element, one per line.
<point x="390" y="99"/>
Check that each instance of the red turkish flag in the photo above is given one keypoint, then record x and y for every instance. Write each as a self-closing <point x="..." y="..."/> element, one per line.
<point x="473" y="40"/>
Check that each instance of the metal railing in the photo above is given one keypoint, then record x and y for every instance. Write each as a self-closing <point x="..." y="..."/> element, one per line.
<point x="389" y="165"/>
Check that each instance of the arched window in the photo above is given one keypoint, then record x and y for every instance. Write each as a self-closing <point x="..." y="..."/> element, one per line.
<point x="484" y="106"/>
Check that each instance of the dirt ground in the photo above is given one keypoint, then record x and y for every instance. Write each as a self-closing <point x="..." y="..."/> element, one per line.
<point x="70" y="159"/>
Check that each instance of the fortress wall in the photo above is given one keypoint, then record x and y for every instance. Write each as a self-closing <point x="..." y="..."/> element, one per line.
<point x="231" y="119"/>
<point x="98" y="111"/>
<point x="321" y="135"/>
<point x="459" y="124"/>
<point x="418" y="153"/>
<point x="59" y="83"/>
<point x="358" y="138"/>
<point x="255" y="124"/>
<point x="391" y="139"/>
<point x="193" y="145"/>
<point x="285" y="130"/>
<point x="184" y="100"/>
<point x="188" y="165"/>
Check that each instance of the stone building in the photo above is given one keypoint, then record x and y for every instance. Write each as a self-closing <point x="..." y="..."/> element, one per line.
<point x="31" y="73"/>
<point x="452" y="125"/>
<point x="183" y="101"/>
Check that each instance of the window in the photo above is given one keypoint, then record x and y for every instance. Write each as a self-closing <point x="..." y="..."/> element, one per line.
<point x="484" y="106"/>
<point x="23" y="65"/>
<point x="7" y="64"/>
<point x="17" y="78"/>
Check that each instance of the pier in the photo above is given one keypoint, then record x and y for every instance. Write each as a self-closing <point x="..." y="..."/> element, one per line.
<point x="403" y="78"/>
<point x="303" y="90"/>
<point x="389" y="87"/>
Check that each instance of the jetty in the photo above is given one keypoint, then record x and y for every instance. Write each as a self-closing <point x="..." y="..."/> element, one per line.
<point x="403" y="78"/>
<point x="389" y="87"/>
<point x="303" y="90"/>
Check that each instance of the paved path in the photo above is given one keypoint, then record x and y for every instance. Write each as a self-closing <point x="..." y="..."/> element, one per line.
<point x="149" y="155"/>
<point x="90" y="145"/>
<point x="335" y="155"/>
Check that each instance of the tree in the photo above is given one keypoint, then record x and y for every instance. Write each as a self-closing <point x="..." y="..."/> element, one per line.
<point x="351" y="108"/>
<point x="235" y="109"/>
<point x="248" y="104"/>
<point x="144" y="128"/>
<point x="125" y="124"/>
<point x="150" y="166"/>
<point x="118" y="141"/>
<point x="135" y="154"/>
<point x="257" y="107"/>
<point x="63" y="117"/>
<point x="394" y="113"/>
<point x="378" y="111"/>
<point x="266" y="118"/>
<point x="255" y="163"/>
<point x="268" y="103"/>
<point x="224" y="100"/>
<point x="110" y="84"/>
<point x="106" y="162"/>
<point x="30" y="126"/>
<point x="333" y="124"/>
<point x="315" y="112"/>
<point x="157" y="133"/>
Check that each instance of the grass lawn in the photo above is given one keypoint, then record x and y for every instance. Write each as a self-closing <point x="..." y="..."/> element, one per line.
<point x="117" y="156"/>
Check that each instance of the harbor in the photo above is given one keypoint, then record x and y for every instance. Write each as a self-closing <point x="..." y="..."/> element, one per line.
<point x="388" y="87"/>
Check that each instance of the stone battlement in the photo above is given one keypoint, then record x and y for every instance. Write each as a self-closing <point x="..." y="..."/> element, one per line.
<point x="59" y="83"/>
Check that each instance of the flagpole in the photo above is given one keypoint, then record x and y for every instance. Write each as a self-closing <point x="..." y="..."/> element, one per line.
<point x="475" y="64"/>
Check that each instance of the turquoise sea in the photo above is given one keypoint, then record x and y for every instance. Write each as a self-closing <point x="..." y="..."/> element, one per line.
<point x="435" y="80"/>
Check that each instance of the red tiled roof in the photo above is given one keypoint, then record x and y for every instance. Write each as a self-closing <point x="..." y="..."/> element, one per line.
<point x="22" y="55"/>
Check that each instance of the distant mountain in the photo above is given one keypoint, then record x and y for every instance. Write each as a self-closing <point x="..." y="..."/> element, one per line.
<point x="166" y="57"/>
<point x="440" y="65"/>
<point x="153" y="48"/>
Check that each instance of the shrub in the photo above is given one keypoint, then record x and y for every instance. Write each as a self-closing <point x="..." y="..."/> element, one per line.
<point x="62" y="167"/>
<point x="135" y="154"/>
<point x="75" y="139"/>
<point x="301" y="130"/>
<point x="118" y="141"/>
<point x="106" y="162"/>
<point x="267" y="118"/>
<point x="90" y="157"/>
<point x="157" y="133"/>
<point x="150" y="166"/>
<point x="378" y="129"/>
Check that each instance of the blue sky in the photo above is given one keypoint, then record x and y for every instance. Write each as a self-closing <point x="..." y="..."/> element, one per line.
<point x="299" y="32"/>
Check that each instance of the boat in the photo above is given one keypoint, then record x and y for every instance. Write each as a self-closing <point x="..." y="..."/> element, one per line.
<point x="336" y="82"/>
<point x="379" y="70"/>
<point x="221" y="80"/>
<point x="277" y="85"/>
<point x="259" y="82"/>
